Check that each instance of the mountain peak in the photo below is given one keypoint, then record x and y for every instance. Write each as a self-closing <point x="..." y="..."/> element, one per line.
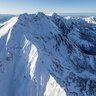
<point x="55" y="15"/>
<point x="40" y="14"/>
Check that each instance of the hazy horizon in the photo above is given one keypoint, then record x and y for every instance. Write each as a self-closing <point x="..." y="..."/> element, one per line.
<point x="47" y="6"/>
<point x="62" y="14"/>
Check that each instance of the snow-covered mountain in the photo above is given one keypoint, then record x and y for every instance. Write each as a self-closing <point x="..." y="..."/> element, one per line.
<point x="5" y="17"/>
<point x="45" y="55"/>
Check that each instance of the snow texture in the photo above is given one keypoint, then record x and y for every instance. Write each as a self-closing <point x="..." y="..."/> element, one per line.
<point x="48" y="55"/>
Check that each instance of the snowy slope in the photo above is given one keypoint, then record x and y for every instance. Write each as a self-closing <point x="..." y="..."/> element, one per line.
<point x="4" y="18"/>
<point x="47" y="56"/>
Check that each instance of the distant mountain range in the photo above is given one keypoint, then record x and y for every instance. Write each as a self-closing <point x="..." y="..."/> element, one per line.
<point x="5" y="17"/>
<point x="77" y="14"/>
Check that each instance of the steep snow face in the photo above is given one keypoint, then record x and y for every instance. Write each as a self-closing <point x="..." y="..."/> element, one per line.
<point x="55" y="88"/>
<point x="8" y="25"/>
<point x="47" y="56"/>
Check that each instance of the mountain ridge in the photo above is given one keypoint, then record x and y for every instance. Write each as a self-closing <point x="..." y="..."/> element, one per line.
<point x="47" y="56"/>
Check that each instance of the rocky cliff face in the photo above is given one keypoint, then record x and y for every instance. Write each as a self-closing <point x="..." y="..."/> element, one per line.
<point x="48" y="56"/>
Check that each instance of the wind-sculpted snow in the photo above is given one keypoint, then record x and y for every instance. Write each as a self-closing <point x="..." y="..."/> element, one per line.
<point x="48" y="56"/>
